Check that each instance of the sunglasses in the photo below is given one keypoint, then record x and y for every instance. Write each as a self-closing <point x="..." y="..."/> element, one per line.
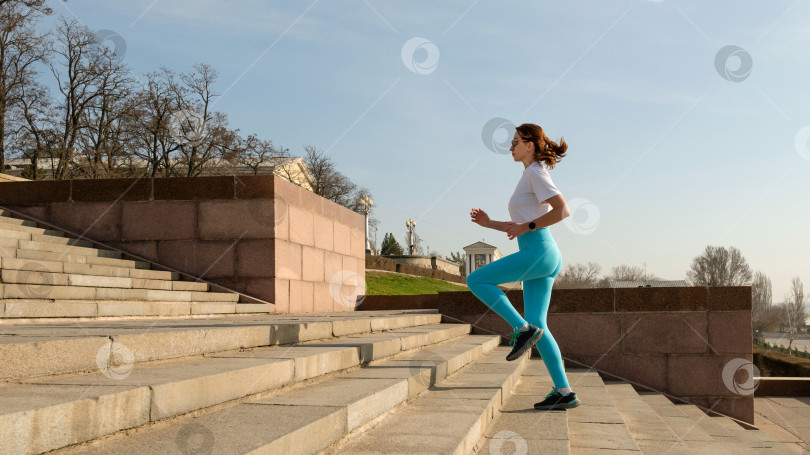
<point x="515" y="142"/>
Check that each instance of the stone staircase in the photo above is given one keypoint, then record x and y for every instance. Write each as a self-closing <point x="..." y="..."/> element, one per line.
<point x="48" y="275"/>
<point x="357" y="383"/>
<point x="76" y="379"/>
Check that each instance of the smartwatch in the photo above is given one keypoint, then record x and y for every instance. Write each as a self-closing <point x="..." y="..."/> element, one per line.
<point x="532" y="225"/>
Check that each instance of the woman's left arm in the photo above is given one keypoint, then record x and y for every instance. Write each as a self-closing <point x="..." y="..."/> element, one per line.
<point x="559" y="211"/>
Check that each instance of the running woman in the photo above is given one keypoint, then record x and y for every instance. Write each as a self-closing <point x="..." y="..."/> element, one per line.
<point x="535" y="205"/>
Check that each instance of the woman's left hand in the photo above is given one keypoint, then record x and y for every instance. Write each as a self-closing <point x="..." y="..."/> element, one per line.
<point x="516" y="229"/>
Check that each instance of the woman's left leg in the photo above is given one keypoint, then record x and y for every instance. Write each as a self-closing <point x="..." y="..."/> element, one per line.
<point x="536" y="299"/>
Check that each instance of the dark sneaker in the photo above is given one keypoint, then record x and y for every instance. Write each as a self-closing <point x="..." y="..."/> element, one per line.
<point x="556" y="400"/>
<point x="521" y="341"/>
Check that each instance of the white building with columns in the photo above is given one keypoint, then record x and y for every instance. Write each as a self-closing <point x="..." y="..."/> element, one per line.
<point x="480" y="254"/>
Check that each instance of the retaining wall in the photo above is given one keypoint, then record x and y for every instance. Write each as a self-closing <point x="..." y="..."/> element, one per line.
<point x="673" y="340"/>
<point x="260" y="235"/>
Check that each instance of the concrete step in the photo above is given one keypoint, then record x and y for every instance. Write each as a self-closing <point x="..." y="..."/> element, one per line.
<point x="784" y="418"/>
<point x="91" y="292"/>
<point x="29" y="227"/>
<point x="733" y="437"/>
<point x="596" y="426"/>
<point x="522" y="429"/>
<point x="33" y="310"/>
<point x="38" y="277"/>
<point x="33" y="350"/>
<point x="648" y="429"/>
<point x="63" y="267"/>
<point x="52" y="247"/>
<point x="686" y="429"/>
<point x="7" y="217"/>
<point x="38" y="255"/>
<point x="449" y="417"/>
<point x="11" y="232"/>
<point x="706" y="435"/>
<point x="153" y="392"/>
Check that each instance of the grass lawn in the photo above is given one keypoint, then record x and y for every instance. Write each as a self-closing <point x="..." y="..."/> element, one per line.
<point x="393" y="284"/>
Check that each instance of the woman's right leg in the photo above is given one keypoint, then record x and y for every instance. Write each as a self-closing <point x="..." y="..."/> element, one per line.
<point x="524" y="265"/>
<point x="483" y="283"/>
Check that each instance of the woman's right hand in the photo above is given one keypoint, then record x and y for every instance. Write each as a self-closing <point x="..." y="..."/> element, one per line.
<point x="479" y="216"/>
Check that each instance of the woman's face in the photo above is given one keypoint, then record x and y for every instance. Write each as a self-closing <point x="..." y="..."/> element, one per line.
<point x="521" y="150"/>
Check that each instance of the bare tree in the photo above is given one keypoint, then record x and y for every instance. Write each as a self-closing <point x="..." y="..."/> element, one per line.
<point x="152" y="117"/>
<point x="201" y="134"/>
<point x="760" y="301"/>
<point x="794" y="306"/>
<point x="35" y="134"/>
<point x="107" y="119"/>
<point x="327" y="181"/>
<point x="79" y="70"/>
<point x="22" y="46"/>
<point x="718" y="266"/>
<point x="253" y="152"/>
<point x="578" y="276"/>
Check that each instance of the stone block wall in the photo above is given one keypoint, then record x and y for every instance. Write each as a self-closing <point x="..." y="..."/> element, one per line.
<point x="680" y="341"/>
<point x="259" y="235"/>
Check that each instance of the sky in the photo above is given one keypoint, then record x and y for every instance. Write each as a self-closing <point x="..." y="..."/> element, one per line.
<point x="687" y="121"/>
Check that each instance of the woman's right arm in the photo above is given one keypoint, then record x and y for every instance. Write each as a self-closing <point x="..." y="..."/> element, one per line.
<point x="481" y="218"/>
<point x="497" y="225"/>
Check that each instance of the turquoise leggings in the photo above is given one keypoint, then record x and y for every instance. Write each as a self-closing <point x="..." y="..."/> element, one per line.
<point x="536" y="264"/>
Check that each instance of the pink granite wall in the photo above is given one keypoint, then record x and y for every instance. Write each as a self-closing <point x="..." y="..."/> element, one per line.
<point x="259" y="235"/>
<point x="677" y="341"/>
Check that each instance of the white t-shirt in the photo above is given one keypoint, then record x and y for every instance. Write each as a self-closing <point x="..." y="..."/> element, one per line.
<point x="528" y="201"/>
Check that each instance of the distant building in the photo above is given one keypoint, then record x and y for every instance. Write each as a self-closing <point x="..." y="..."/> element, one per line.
<point x="649" y="284"/>
<point x="480" y="254"/>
